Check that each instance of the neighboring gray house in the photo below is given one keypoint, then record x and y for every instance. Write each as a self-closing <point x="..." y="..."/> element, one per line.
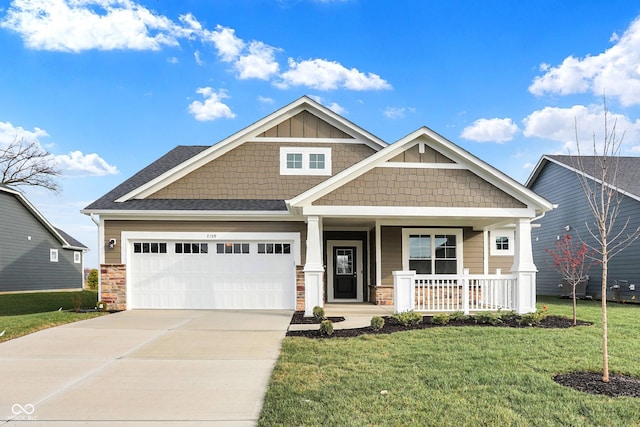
<point x="555" y="178"/>
<point x="34" y="255"/>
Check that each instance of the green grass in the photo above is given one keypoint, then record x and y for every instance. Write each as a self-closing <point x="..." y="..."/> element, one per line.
<point x="457" y="376"/>
<point x="25" y="313"/>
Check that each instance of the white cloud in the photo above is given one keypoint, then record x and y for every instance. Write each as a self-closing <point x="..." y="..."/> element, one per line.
<point x="614" y="72"/>
<point x="491" y="130"/>
<point x="77" y="164"/>
<point x="77" y="25"/>
<point x="172" y="60"/>
<point x="322" y="74"/>
<point x="397" y="112"/>
<point x="559" y="124"/>
<point x="229" y="46"/>
<point x="10" y="133"/>
<point x="259" y="63"/>
<point x="265" y="100"/>
<point x="212" y="108"/>
<point x="196" y="56"/>
<point x="338" y="109"/>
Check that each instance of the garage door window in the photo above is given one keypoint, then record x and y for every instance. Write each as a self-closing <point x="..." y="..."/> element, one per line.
<point x="192" y="248"/>
<point x="149" y="248"/>
<point x="232" y="248"/>
<point x="274" y="248"/>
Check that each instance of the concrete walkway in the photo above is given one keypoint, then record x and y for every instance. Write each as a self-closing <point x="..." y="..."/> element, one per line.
<point x="143" y="368"/>
<point x="356" y="315"/>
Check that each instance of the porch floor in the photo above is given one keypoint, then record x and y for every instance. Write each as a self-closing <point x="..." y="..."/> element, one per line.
<point x="356" y="315"/>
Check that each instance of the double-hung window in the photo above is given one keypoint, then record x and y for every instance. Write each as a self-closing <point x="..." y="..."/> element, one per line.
<point x="432" y="251"/>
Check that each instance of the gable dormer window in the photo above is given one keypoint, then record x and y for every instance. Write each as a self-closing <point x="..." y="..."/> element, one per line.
<point x="305" y="161"/>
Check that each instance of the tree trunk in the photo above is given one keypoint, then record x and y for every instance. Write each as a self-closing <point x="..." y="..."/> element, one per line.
<point x="575" y="308"/>
<point x="605" y="345"/>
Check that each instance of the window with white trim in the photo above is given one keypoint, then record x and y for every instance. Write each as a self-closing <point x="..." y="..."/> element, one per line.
<point x="501" y="242"/>
<point x="432" y="251"/>
<point x="77" y="257"/>
<point x="53" y="255"/>
<point x="305" y="160"/>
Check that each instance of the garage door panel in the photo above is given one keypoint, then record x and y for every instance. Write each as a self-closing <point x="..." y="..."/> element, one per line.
<point x="211" y="280"/>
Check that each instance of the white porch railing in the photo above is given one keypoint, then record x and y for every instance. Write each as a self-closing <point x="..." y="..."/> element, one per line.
<point x="465" y="292"/>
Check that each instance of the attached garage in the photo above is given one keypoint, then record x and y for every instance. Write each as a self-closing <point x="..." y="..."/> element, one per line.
<point x="211" y="270"/>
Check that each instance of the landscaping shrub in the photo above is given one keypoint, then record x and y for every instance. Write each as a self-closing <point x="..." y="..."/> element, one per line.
<point x="533" y="318"/>
<point x="326" y="327"/>
<point x="488" y="318"/>
<point x="441" y="319"/>
<point x="459" y="315"/>
<point x="377" y="323"/>
<point x="409" y="317"/>
<point x="318" y="313"/>
<point x="508" y="316"/>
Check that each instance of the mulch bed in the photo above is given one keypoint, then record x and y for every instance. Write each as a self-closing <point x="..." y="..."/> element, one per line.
<point x="391" y="325"/>
<point x="591" y="382"/>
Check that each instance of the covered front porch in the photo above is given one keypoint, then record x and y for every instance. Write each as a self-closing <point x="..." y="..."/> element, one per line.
<point x="430" y="265"/>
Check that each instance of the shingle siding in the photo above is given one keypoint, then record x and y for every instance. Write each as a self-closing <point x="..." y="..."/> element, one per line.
<point x="25" y="263"/>
<point x="560" y="185"/>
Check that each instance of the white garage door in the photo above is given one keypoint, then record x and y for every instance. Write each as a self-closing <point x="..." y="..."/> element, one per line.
<point x="188" y="274"/>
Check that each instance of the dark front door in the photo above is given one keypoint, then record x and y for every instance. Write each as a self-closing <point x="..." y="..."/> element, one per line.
<point x="345" y="280"/>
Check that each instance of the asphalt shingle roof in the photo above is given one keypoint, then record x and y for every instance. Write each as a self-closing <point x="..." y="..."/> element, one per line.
<point x="628" y="170"/>
<point x="170" y="160"/>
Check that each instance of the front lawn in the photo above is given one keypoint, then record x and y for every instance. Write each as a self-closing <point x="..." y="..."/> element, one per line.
<point x="457" y="375"/>
<point x="25" y="313"/>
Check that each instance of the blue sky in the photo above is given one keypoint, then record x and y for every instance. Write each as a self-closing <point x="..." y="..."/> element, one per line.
<point x="108" y="86"/>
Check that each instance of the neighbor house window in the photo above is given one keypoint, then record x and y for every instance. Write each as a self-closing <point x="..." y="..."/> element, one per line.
<point x="77" y="257"/>
<point x="501" y="242"/>
<point x="53" y="255"/>
<point x="432" y="251"/>
<point x="305" y="160"/>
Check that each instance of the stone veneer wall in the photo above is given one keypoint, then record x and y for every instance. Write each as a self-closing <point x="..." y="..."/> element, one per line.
<point x="113" y="286"/>
<point x="299" y="288"/>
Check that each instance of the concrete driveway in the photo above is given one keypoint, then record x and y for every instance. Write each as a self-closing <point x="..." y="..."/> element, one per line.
<point x="143" y="367"/>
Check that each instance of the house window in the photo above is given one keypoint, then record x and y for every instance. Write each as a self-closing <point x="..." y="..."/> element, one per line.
<point x="53" y="255"/>
<point x="294" y="160"/>
<point x="77" y="257"/>
<point x="432" y="251"/>
<point x="149" y="248"/>
<point x="316" y="161"/>
<point x="305" y="160"/>
<point x="274" y="248"/>
<point x="501" y="242"/>
<point x="191" y="248"/>
<point x="232" y="248"/>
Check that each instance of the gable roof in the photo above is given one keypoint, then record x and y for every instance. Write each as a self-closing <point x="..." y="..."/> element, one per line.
<point x="183" y="168"/>
<point x="65" y="239"/>
<point x="439" y="144"/>
<point x="628" y="171"/>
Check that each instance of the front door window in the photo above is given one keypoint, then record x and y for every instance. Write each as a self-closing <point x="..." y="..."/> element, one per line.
<point x="344" y="261"/>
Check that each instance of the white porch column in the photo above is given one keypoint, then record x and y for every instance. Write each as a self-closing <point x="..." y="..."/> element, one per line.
<point x="524" y="268"/>
<point x="313" y="268"/>
<point x="404" y="294"/>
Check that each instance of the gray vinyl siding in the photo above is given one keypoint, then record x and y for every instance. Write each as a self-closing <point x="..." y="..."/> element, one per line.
<point x="561" y="186"/>
<point x="25" y="264"/>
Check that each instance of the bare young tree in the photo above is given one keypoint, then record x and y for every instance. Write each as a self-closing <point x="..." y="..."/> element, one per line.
<point x="599" y="178"/>
<point x="26" y="163"/>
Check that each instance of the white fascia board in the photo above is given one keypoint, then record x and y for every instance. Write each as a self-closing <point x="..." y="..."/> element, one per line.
<point x="417" y="211"/>
<point x="196" y="216"/>
<point x="250" y="133"/>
